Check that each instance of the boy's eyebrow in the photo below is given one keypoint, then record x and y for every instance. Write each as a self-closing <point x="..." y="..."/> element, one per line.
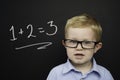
<point x="81" y="40"/>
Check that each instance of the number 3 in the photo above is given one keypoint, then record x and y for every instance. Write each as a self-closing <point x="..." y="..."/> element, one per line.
<point x="52" y="25"/>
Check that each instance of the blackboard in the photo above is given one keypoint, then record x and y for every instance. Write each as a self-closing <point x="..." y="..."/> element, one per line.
<point x="32" y="30"/>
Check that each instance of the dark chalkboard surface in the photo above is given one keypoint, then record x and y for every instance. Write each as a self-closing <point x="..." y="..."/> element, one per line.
<point x="32" y="30"/>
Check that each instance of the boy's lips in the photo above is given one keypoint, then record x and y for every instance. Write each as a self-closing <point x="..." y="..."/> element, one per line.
<point x="79" y="55"/>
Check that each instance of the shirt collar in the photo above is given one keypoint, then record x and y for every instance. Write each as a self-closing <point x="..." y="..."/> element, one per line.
<point x="95" y="67"/>
<point x="69" y="67"/>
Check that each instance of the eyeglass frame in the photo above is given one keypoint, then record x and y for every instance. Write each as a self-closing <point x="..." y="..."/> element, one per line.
<point x="81" y="43"/>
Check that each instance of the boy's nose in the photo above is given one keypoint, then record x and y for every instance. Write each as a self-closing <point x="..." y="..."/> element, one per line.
<point x="79" y="46"/>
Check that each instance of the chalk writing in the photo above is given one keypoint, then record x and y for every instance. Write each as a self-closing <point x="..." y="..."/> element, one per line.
<point x="13" y="34"/>
<point x="31" y="31"/>
<point x="41" y="30"/>
<point x="42" y="47"/>
<point x="30" y="28"/>
<point x="52" y="25"/>
<point x="21" y="31"/>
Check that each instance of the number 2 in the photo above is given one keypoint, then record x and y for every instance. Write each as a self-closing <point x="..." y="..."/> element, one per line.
<point x="31" y="31"/>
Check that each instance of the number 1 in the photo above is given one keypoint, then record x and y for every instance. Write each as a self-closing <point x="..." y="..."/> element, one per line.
<point x="13" y="34"/>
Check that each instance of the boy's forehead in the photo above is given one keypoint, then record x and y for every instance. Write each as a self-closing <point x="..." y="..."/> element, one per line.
<point x="81" y="33"/>
<point x="84" y="30"/>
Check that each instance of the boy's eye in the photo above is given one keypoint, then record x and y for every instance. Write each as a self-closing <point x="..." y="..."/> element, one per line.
<point x="87" y="42"/>
<point x="73" y="41"/>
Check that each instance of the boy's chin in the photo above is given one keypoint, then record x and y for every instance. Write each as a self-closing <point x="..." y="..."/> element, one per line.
<point x="78" y="62"/>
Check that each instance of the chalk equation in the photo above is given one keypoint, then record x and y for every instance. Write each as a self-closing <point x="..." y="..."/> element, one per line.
<point x="31" y="30"/>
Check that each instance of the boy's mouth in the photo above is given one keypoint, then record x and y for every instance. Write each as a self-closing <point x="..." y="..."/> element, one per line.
<point x="79" y="55"/>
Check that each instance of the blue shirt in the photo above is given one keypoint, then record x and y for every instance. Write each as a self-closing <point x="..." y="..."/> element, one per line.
<point x="66" y="71"/>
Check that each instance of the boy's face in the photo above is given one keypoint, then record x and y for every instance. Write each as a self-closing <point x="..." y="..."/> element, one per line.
<point x="79" y="55"/>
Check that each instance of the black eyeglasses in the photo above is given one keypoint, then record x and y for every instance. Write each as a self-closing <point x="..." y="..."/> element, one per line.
<point x="84" y="44"/>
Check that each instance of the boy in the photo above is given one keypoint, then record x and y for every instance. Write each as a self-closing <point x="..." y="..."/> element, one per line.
<point x="82" y="40"/>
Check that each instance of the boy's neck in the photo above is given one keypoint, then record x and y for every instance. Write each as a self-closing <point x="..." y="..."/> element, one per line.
<point x="84" y="68"/>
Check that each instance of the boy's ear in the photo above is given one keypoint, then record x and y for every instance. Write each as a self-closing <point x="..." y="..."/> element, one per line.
<point x="98" y="46"/>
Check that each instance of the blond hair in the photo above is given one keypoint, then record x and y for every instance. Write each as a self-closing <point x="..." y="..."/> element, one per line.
<point x="83" y="21"/>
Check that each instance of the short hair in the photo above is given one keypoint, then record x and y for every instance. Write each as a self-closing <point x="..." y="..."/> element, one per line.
<point x="82" y="21"/>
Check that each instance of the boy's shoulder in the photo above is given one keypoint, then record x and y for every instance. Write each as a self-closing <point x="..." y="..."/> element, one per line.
<point x="99" y="68"/>
<point x="102" y="69"/>
<point x="58" y="67"/>
<point x="105" y="73"/>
